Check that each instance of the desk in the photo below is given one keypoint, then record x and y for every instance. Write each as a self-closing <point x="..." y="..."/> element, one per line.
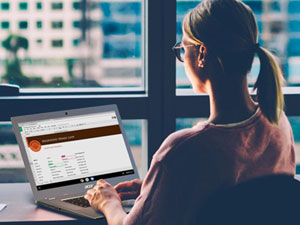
<point x="21" y="209"/>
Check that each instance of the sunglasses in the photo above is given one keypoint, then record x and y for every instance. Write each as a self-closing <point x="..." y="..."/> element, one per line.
<point x="179" y="50"/>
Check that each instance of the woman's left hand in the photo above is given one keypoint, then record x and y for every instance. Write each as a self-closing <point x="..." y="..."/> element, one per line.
<point x="103" y="197"/>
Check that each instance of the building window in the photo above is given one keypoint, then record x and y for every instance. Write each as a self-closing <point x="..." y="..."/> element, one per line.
<point x="39" y="5"/>
<point x="39" y="42"/>
<point x="57" y="24"/>
<point x="57" y="43"/>
<point x="76" y="24"/>
<point x="57" y="5"/>
<point x="76" y="42"/>
<point x="76" y="5"/>
<point x="23" y="25"/>
<point x="39" y="24"/>
<point x="23" y="5"/>
<point x="5" y="6"/>
<point x="5" y="25"/>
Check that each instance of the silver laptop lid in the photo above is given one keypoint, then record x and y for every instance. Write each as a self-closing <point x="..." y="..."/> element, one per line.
<point x="66" y="152"/>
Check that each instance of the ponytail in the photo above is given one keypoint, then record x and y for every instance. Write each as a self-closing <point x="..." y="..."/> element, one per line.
<point x="268" y="85"/>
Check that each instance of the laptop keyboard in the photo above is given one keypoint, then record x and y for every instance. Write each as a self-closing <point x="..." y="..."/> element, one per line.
<point x="79" y="201"/>
<point x="82" y="202"/>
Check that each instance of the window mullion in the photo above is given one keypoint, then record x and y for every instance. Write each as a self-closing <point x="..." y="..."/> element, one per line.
<point x="154" y="59"/>
<point x="169" y="67"/>
<point x="130" y="107"/>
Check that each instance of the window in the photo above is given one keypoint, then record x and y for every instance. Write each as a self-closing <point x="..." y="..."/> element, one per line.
<point x="39" y="24"/>
<point x="39" y="5"/>
<point x="5" y="25"/>
<point x="23" y="5"/>
<point x="76" y="42"/>
<point x="57" y="43"/>
<point x="275" y="6"/>
<point x="57" y="24"/>
<point x="76" y="24"/>
<point x="111" y="35"/>
<point x="86" y="72"/>
<point x="280" y="35"/>
<point x="5" y="6"/>
<point x="76" y="5"/>
<point x="57" y="5"/>
<point x="294" y="7"/>
<point x="23" y="25"/>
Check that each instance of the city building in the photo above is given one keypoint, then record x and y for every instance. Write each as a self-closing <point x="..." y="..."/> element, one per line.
<point x="79" y="42"/>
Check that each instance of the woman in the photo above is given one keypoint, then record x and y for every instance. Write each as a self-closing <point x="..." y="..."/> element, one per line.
<point x="241" y="140"/>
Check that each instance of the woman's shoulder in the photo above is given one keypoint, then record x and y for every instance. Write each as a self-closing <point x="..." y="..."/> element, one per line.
<point x="180" y="139"/>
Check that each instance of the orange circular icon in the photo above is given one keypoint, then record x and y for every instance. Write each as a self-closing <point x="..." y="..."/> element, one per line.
<point x="35" y="146"/>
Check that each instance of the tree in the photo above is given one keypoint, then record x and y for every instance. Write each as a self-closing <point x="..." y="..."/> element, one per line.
<point x="14" y="75"/>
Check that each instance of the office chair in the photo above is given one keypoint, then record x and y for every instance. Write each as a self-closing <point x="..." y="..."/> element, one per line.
<point x="273" y="199"/>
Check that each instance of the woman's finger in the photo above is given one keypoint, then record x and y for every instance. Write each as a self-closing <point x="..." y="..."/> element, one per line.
<point x="123" y="186"/>
<point x="89" y="194"/>
<point x="102" y="182"/>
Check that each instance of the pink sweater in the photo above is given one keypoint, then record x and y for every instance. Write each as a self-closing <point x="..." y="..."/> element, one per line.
<point x="192" y="164"/>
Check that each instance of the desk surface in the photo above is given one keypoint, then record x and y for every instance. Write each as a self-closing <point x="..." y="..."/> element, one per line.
<point x="22" y="208"/>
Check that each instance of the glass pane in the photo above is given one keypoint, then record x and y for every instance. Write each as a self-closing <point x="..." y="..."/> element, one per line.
<point x="85" y="44"/>
<point x="39" y="5"/>
<point x="12" y="166"/>
<point x="5" y="6"/>
<point x="295" y="123"/>
<point x="182" y="123"/>
<point x="279" y="31"/>
<point x="23" y="5"/>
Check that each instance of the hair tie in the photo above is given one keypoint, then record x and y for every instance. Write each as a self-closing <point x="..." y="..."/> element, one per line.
<point x="256" y="47"/>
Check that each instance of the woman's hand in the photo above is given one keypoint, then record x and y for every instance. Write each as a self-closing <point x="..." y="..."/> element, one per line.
<point x="103" y="197"/>
<point x="129" y="189"/>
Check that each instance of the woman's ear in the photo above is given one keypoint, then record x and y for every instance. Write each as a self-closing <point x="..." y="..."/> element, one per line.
<point x="202" y="56"/>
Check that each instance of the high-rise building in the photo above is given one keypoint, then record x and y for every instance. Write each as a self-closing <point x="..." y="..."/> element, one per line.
<point x="53" y="38"/>
<point x="92" y="43"/>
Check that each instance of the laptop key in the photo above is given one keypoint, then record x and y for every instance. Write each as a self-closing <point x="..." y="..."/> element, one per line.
<point x="82" y="202"/>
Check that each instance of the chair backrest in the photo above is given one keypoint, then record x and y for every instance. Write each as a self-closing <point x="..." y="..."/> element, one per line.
<point x="266" y="200"/>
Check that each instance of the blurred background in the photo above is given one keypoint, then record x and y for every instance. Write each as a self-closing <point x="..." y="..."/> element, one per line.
<point x="86" y="44"/>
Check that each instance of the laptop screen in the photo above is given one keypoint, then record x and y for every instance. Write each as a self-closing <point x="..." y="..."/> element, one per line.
<point x="78" y="149"/>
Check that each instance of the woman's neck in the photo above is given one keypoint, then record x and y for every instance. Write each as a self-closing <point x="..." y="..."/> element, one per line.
<point x="230" y="102"/>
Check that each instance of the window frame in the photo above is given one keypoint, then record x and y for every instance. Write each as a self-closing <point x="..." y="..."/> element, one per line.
<point x="158" y="103"/>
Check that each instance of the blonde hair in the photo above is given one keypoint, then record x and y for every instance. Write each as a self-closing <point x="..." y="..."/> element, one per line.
<point x="229" y="31"/>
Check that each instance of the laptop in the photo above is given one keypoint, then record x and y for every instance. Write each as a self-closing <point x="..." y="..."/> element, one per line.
<point x="66" y="152"/>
